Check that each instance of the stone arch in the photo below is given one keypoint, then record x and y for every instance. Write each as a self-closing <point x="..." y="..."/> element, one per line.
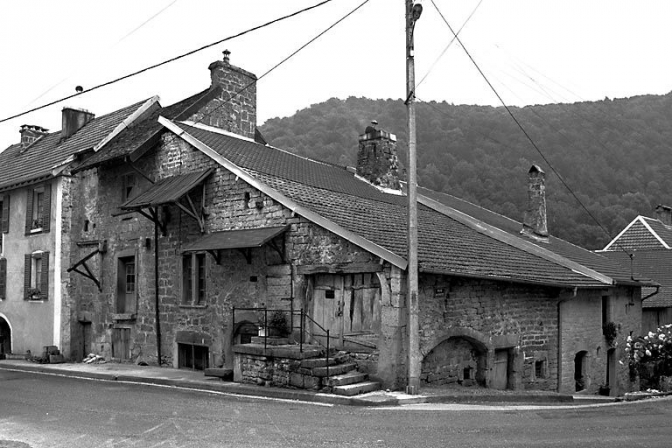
<point x="457" y="355"/>
<point x="5" y="336"/>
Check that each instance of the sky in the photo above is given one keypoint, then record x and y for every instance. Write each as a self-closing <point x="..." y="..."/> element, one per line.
<point x="531" y="51"/>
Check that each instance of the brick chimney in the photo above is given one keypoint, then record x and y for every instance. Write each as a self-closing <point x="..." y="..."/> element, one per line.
<point x="73" y="120"/>
<point x="664" y="214"/>
<point x="377" y="160"/>
<point x="534" y="223"/>
<point x="236" y="108"/>
<point x="30" y="133"/>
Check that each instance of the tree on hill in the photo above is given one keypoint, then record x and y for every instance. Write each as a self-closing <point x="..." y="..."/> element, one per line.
<point x="615" y="155"/>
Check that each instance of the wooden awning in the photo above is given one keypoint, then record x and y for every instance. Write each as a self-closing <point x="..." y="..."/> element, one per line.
<point x="170" y="191"/>
<point x="242" y="240"/>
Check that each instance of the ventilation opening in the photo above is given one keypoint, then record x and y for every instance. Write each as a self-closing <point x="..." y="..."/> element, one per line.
<point x="191" y="356"/>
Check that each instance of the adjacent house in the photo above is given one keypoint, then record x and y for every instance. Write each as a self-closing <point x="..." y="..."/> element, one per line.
<point x="644" y="246"/>
<point x="35" y="193"/>
<point x="190" y="214"/>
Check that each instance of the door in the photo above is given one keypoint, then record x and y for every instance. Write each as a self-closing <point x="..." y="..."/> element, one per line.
<point x="5" y="339"/>
<point x="611" y="371"/>
<point x="501" y="371"/>
<point x="121" y="343"/>
<point x="328" y="307"/>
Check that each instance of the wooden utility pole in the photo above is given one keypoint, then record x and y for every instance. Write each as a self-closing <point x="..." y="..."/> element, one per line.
<point x="413" y="384"/>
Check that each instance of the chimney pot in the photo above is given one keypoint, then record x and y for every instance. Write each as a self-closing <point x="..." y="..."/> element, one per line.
<point x="227" y="55"/>
<point x="30" y="133"/>
<point x="377" y="160"/>
<point x="535" y="222"/>
<point x="664" y="214"/>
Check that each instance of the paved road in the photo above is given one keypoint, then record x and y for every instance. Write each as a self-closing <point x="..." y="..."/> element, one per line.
<point x="50" y="411"/>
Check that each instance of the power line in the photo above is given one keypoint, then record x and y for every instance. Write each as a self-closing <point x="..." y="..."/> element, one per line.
<point x="508" y="110"/>
<point x="151" y="67"/>
<point x="247" y="86"/>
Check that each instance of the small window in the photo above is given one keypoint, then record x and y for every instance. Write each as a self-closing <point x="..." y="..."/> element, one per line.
<point x="329" y="294"/>
<point x="540" y="369"/>
<point x="3" y="278"/>
<point x="126" y="285"/>
<point x="4" y="213"/>
<point x="193" y="279"/>
<point x="130" y="186"/>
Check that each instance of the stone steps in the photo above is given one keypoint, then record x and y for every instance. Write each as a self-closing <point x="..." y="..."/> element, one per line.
<point x="349" y="390"/>
<point x="334" y="370"/>
<point x="351" y="377"/>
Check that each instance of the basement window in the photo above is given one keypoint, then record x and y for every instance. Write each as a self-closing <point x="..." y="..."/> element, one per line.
<point x="540" y="369"/>
<point x="192" y="356"/>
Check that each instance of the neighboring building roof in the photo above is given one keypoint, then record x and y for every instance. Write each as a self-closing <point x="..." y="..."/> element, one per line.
<point x="19" y="165"/>
<point x="642" y="233"/>
<point x="146" y="132"/>
<point x="655" y="264"/>
<point x="334" y="197"/>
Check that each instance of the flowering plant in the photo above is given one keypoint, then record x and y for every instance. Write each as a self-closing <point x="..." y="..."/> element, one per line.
<point x="651" y="353"/>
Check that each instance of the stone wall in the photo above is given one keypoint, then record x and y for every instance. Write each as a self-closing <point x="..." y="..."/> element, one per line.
<point x="488" y="315"/>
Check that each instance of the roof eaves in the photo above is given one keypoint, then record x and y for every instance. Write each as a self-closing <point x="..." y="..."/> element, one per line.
<point x="517" y="242"/>
<point x="284" y="200"/>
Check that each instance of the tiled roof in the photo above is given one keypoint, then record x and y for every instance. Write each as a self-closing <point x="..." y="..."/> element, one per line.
<point x="145" y="131"/>
<point x="655" y="264"/>
<point x="660" y="229"/>
<point x="642" y="233"/>
<point x="18" y="165"/>
<point x="446" y="245"/>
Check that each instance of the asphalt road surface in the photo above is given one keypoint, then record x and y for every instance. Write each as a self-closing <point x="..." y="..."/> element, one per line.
<point x="38" y="410"/>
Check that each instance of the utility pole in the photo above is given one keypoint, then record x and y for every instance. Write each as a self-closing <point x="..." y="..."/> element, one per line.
<point x="413" y="385"/>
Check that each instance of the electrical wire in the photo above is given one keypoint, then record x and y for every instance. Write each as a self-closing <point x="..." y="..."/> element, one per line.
<point x="247" y="86"/>
<point x="151" y="67"/>
<point x="522" y="129"/>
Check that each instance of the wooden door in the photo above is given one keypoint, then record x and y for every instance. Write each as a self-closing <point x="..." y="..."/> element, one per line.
<point x="501" y="371"/>
<point x="121" y="343"/>
<point x="328" y="306"/>
<point x="361" y="307"/>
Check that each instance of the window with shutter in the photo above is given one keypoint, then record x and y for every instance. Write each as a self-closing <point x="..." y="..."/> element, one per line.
<point x="36" y="276"/>
<point x="38" y="209"/>
<point x="4" y="209"/>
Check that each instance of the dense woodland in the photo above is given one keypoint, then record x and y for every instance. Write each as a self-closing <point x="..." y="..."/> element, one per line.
<point x="615" y="155"/>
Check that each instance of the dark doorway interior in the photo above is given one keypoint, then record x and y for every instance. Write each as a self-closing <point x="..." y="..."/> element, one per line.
<point x="5" y="339"/>
<point x="580" y="377"/>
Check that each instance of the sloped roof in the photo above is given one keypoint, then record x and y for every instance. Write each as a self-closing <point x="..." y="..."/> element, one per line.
<point x="19" y="165"/>
<point x="642" y="233"/>
<point x="655" y="264"/>
<point x="446" y="245"/>
<point x="146" y="132"/>
<point x="167" y="190"/>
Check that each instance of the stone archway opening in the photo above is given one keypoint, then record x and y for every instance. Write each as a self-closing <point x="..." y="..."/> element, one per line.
<point x="5" y="338"/>
<point x="580" y="370"/>
<point x="458" y="360"/>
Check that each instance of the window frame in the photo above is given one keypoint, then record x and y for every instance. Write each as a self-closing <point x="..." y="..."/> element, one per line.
<point x="127" y="195"/>
<point x="38" y="219"/>
<point x="3" y="278"/>
<point x="123" y="260"/>
<point x="36" y="288"/>
<point x="194" y="280"/>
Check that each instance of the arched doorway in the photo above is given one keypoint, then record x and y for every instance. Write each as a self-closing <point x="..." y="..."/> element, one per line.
<point x="457" y="360"/>
<point x="580" y="366"/>
<point x="5" y="338"/>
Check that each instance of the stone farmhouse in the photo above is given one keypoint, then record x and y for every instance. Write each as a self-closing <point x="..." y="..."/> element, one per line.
<point x="36" y="203"/>
<point x="189" y="213"/>
<point x="644" y="246"/>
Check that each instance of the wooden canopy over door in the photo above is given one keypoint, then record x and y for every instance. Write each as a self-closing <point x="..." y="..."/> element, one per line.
<point x="348" y="305"/>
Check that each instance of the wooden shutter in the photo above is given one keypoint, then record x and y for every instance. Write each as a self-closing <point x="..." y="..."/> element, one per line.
<point x="29" y="210"/>
<point x="5" y="213"/>
<point x="26" y="276"/>
<point x="3" y="278"/>
<point x="46" y="208"/>
<point x="44" y="281"/>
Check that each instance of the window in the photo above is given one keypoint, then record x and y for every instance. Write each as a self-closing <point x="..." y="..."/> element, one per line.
<point x="126" y="285"/>
<point x="4" y="213"/>
<point x="38" y="209"/>
<point x="129" y="185"/>
<point x="193" y="279"/>
<point x="36" y="276"/>
<point x="540" y="369"/>
<point x="3" y="278"/>
<point x="191" y="356"/>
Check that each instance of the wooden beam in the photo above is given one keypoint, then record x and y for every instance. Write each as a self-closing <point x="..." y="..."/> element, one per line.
<point x="339" y="268"/>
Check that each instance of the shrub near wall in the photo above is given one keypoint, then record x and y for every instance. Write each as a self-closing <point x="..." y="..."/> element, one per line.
<point x="650" y="358"/>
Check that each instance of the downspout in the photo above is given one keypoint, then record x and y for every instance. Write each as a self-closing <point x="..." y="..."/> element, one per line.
<point x="156" y="289"/>
<point x="652" y="294"/>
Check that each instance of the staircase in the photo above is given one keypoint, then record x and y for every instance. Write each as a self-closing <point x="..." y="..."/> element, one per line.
<point x="343" y="377"/>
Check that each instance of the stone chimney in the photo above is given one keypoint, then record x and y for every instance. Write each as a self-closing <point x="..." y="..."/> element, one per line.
<point x="30" y="133"/>
<point x="236" y="108"/>
<point x="664" y="214"/>
<point x="73" y="120"/>
<point x="534" y="223"/>
<point x="377" y="160"/>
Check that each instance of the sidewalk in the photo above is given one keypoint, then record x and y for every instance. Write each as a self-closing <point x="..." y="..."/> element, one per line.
<point x="189" y="379"/>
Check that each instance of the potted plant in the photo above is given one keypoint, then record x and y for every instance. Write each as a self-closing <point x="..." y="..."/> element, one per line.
<point x="610" y="331"/>
<point x="278" y="325"/>
<point x="33" y="294"/>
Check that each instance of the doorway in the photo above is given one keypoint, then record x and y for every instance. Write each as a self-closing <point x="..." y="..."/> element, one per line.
<point x="500" y="378"/>
<point x="580" y="377"/>
<point x="611" y="371"/>
<point x="5" y="339"/>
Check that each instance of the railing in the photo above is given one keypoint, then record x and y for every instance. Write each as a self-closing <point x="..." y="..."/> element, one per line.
<point x="263" y="321"/>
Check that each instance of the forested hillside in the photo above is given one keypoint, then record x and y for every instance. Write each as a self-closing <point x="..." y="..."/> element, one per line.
<point x="615" y="155"/>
